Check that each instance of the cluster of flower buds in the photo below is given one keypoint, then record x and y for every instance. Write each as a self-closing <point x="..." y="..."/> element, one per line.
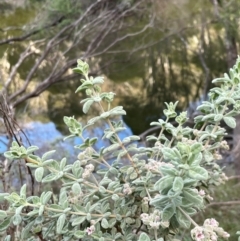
<point x="210" y="231"/>
<point x="203" y="194"/>
<point x="217" y="156"/>
<point x="87" y="171"/>
<point x="145" y="204"/>
<point x="188" y="141"/>
<point x="224" y="145"/>
<point x="85" y="156"/>
<point x="196" y="132"/>
<point x="75" y="199"/>
<point x="221" y="177"/>
<point x="153" y="220"/>
<point x="155" y="165"/>
<point x="127" y="189"/>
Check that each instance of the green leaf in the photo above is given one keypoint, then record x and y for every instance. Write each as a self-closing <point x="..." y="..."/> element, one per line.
<point x="77" y="70"/>
<point x="112" y="222"/>
<point x="218" y="117"/>
<point x="102" y="189"/>
<point x="209" y="116"/>
<point x="63" y="163"/>
<point x="98" y="80"/>
<point x="168" y="170"/>
<point x="114" y="171"/>
<point x="39" y="174"/>
<point x="41" y="210"/>
<point x="183" y="220"/>
<point x="133" y="175"/>
<point x="144" y="237"/>
<point x="105" y="114"/>
<point x="111" y="148"/>
<point x="196" y="148"/>
<point x="94" y="120"/>
<point x="79" y="234"/>
<point x="221" y="80"/>
<point x="17" y="219"/>
<point x="7" y="238"/>
<point x="79" y="208"/>
<point x="77" y="169"/>
<point x="130" y="170"/>
<point x="33" y="213"/>
<point x="171" y="153"/>
<point x="89" y="217"/>
<point x="3" y="214"/>
<point x="225" y="99"/>
<point x="49" y="229"/>
<point x="105" y="181"/>
<point x="134" y="138"/>
<point x="115" y="197"/>
<point x="189" y="182"/>
<point x="31" y="149"/>
<point x="198" y="173"/>
<point x="184" y="148"/>
<point x="164" y="182"/>
<point x="47" y="154"/>
<point x="93" y="141"/>
<point x="87" y="106"/>
<point x="178" y="184"/>
<point x="208" y="156"/>
<point x="94" y="207"/>
<point x="60" y="223"/>
<point x="63" y="198"/>
<point x="86" y="85"/>
<point x="104" y="223"/>
<point x="23" y="191"/>
<point x="50" y="177"/>
<point x="76" y="188"/>
<point x="190" y="211"/>
<point x="18" y="210"/>
<point x="168" y="212"/>
<point x="160" y="201"/>
<point x="230" y="121"/>
<point x="46" y="197"/>
<point x="195" y="159"/>
<point x="34" y="199"/>
<point x="78" y="220"/>
<point x="176" y="200"/>
<point x="5" y="224"/>
<point x="192" y="197"/>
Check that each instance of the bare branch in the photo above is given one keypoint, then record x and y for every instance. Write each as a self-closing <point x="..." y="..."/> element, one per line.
<point x="34" y="32"/>
<point x="228" y="203"/>
<point x="47" y="82"/>
<point x="234" y="177"/>
<point x="123" y="38"/>
<point x="52" y="43"/>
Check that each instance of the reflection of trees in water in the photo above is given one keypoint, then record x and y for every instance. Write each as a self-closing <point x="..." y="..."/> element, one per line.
<point x="164" y="78"/>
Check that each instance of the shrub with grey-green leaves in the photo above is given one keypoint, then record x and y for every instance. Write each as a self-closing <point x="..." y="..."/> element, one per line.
<point x="151" y="196"/>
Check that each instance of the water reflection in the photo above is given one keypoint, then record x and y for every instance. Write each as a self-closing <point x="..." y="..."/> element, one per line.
<point x="143" y="78"/>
